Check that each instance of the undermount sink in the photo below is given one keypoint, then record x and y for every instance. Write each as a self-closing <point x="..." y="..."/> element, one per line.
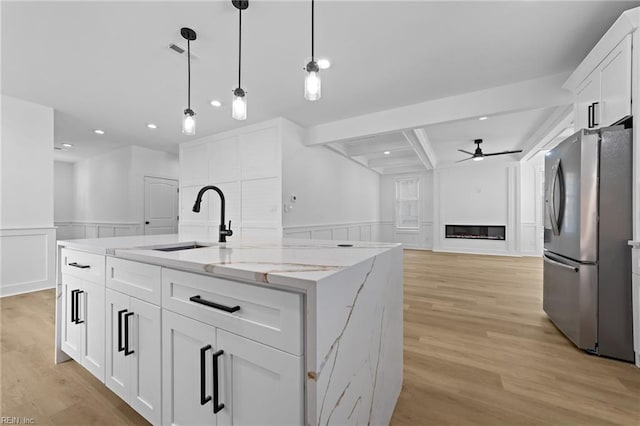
<point x="179" y="246"/>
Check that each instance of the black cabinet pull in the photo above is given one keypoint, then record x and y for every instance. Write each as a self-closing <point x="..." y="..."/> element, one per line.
<point x="73" y="306"/>
<point x="198" y="299"/>
<point x="120" y="345"/>
<point x="593" y="112"/>
<point x="78" y="293"/>
<point x="589" y="115"/>
<point x="77" y="265"/>
<point x="126" y="334"/>
<point x="216" y="406"/>
<point x="203" y="387"/>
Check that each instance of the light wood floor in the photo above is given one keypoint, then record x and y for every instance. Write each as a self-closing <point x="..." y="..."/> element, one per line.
<point x="478" y="350"/>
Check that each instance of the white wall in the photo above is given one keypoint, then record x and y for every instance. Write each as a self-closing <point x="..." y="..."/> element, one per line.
<point x="27" y="236"/>
<point x="330" y="189"/>
<point x="108" y="192"/>
<point x="423" y="237"/>
<point x="63" y="191"/>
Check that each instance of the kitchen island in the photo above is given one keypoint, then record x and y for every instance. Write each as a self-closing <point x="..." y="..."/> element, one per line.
<point x="243" y="332"/>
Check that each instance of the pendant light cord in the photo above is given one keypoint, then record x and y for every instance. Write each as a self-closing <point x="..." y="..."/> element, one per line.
<point x="188" y="74"/>
<point x="312" y="32"/>
<point x="239" y="44"/>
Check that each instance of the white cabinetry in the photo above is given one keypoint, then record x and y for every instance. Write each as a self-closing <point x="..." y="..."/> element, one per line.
<point x="133" y="336"/>
<point x="604" y="97"/>
<point x="206" y="365"/>
<point x="83" y="305"/>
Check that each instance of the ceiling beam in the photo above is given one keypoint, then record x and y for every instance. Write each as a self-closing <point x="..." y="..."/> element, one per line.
<point x="374" y="147"/>
<point x="394" y="161"/>
<point x="423" y="138"/>
<point x="415" y="144"/>
<point x="560" y="120"/>
<point x="531" y="94"/>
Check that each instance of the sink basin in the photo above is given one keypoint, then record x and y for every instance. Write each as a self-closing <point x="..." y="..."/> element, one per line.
<point x="187" y="245"/>
<point x="182" y="247"/>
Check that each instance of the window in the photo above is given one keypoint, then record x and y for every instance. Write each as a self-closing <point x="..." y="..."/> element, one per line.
<point x="407" y="203"/>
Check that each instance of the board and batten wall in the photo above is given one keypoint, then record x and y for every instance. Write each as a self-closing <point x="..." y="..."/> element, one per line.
<point x="259" y="167"/>
<point x="494" y="192"/>
<point x="27" y="234"/>
<point x="107" y="191"/>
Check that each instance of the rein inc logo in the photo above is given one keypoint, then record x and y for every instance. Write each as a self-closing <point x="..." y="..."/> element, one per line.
<point x="11" y="420"/>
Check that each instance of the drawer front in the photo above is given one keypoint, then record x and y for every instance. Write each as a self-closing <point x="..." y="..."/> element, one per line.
<point x="270" y="316"/>
<point x="135" y="279"/>
<point x="88" y="266"/>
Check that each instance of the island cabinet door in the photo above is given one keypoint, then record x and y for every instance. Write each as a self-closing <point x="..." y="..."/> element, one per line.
<point x="117" y="364"/>
<point x="71" y="327"/>
<point x="258" y="385"/>
<point x="187" y="371"/>
<point x="91" y="314"/>
<point x="145" y="368"/>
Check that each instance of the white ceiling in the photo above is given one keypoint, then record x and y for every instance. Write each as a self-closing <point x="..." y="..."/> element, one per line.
<point x="106" y="64"/>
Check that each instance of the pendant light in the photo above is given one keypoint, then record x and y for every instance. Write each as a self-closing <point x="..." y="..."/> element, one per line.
<point x="312" y="83"/>
<point x="239" y="105"/>
<point x="188" y="120"/>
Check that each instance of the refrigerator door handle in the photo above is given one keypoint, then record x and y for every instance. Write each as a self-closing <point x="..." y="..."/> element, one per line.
<point x="555" y="214"/>
<point x="563" y="265"/>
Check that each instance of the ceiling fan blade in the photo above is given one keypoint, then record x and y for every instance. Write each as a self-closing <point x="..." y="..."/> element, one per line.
<point x="466" y="152"/>
<point x="466" y="159"/>
<point x="503" y="152"/>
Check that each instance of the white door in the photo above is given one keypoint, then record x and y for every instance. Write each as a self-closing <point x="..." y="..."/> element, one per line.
<point x="92" y="313"/>
<point x="117" y="365"/>
<point x="259" y="385"/>
<point x="160" y="206"/>
<point x="145" y="368"/>
<point x="187" y="353"/>
<point x="71" y="331"/>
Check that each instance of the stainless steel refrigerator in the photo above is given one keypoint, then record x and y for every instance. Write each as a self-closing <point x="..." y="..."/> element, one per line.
<point x="588" y="221"/>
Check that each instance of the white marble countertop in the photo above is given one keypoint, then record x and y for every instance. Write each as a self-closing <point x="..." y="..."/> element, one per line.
<point x="633" y="243"/>
<point x="284" y="262"/>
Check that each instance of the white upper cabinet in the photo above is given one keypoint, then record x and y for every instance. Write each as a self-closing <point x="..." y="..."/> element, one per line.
<point x="615" y="85"/>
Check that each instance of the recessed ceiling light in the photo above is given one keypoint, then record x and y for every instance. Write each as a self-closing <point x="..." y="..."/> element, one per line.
<point x="98" y="132"/>
<point x="216" y="103"/>
<point x="67" y="145"/>
<point x="482" y="118"/>
<point x="324" y="63"/>
<point x="152" y="126"/>
<point x="387" y="152"/>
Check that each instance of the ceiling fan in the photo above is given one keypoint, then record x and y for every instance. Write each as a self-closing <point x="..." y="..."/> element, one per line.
<point x="479" y="155"/>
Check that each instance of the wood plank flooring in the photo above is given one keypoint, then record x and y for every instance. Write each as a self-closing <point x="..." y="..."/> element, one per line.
<point x="478" y="350"/>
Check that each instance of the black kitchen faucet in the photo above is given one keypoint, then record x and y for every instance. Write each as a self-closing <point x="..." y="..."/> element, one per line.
<point x="224" y="232"/>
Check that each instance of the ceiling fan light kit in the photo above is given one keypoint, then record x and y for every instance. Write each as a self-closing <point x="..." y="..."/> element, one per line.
<point x="478" y="155"/>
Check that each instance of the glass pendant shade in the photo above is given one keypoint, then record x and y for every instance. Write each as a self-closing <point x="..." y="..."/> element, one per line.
<point x="239" y="106"/>
<point x="188" y="123"/>
<point x="312" y="86"/>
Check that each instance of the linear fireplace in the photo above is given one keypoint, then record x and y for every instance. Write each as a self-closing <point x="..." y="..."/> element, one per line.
<point x="476" y="232"/>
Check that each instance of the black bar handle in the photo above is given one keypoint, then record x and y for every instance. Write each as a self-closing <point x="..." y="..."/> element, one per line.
<point x="589" y="114"/>
<point x="593" y="120"/>
<point x="78" y="293"/>
<point x="73" y="306"/>
<point x="120" y="345"/>
<point x="217" y="407"/>
<point x="126" y="334"/>
<point x="203" y="388"/>
<point x="198" y="299"/>
<point x="77" y="265"/>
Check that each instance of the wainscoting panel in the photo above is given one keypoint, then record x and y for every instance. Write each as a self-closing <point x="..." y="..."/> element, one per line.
<point x="531" y="239"/>
<point x="27" y="260"/>
<point x="361" y="231"/>
<point x="74" y="230"/>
